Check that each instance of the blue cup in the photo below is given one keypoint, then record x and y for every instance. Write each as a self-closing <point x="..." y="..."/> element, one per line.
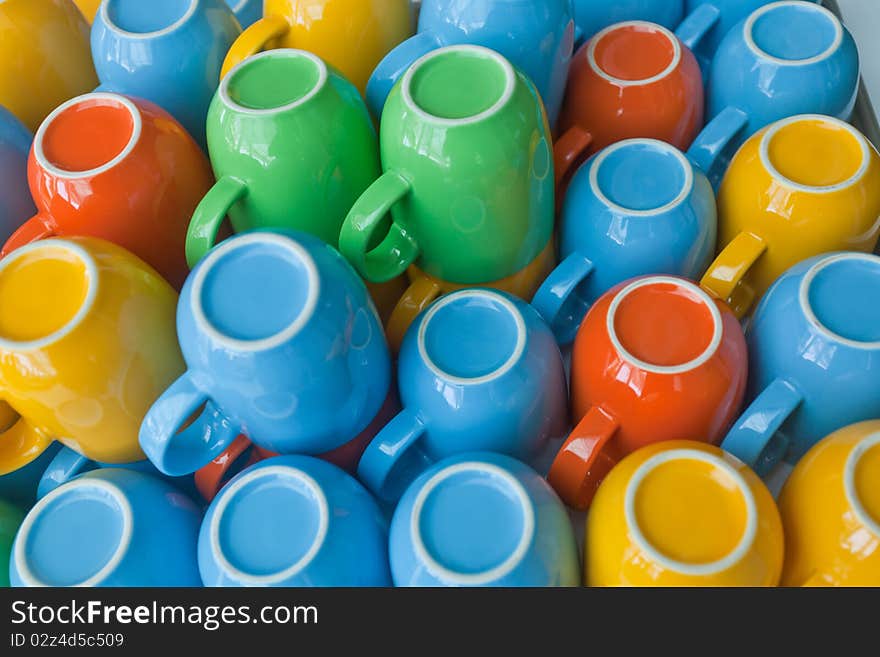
<point x="20" y="486"/>
<point x="246" y="11"/>
<point x="16" y="204"/>
<point x="814" y="359"/>
<point x="478" y="370"/>
<point x="169" y="52"/>
<point x="593" y="16"/>
<point x="537" y="37"/>
<point x="110" y="527"/>
<point x="482" y="519"/>
<point x="294" y="521"/>
<point x="282" y="343"/>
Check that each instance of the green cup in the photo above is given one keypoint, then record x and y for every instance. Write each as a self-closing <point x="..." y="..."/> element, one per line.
<point x="10" y="518"/>
<point x="468" y="174"/>
<point x="292" y="145"/>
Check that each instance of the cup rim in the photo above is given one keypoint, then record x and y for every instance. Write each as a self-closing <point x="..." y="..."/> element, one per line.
<point x="495" y="573"/>
<point x="118" y="495"/>
<point x="225" y="497"/>
<point x="496" y="298"/>
<point x="168" y="29"/>
<point x="92" y="278"/>
<point x="770" y="133"/>
<point x="763" y="54"/>
<point x="288" y="332"/>
<point x="702" y="359"/>
<point x="665" y="73"/>
<point x="849" y="482"/>
<point x="486" y="53"/>
<point x="729" y="560"/>
<point x="807" y="308"/>
<point x="683" y="194"/>
<point x="117" y="100"/>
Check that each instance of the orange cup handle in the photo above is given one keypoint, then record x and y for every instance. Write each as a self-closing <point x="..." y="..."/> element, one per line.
<point x="34" y="229"/>
<point x="421" y="293"/>
<point x="568" y="151"/>
<point x="584" y="459"/>
<point x="211" y="478"/>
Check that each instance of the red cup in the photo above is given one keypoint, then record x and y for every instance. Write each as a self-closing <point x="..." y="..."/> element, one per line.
<point x="655" y="359"/>
<point x="121" y="169"/>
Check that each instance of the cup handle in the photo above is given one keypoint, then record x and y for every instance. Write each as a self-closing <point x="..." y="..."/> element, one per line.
<point x="34" y="229"/>
<point x="569" y="150"/>
<point x="754" y="439"/>
<point x="724" y="278"/>
<point x="65" y="466"/>
<point x="209" y="479"/>
<point x="20" y="444"/>
<point x="398" y="249"/>
<point x="253" y="40"/>
<point x="556" y="301"/>
<point x="421" y="293"/>
<point x="393" y="460"/>
<point x="394" y="65"/>
<point x="208" y="217"/>
<point x="697" y="24"/>
<point x="715" y="139"/>
<point x="584" y="459"/>
<point x="178" y="451"/>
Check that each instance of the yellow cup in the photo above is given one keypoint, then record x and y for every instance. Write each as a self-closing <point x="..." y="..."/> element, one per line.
<point x="682" y="513"/>
<point x="830" y="508"/>
<point x="45" y="57"/>
<point x="351" y="35"/>
<point x="88" y="8"/>
<point x="87" y="344"/>
<point x="800" y="187"/>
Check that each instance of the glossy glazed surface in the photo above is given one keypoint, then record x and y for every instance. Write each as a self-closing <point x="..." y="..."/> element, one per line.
<point x="10" y="518"/>
<point x="88" y="8"/>
<point x="155" y="50"/>
<point x="16" y="205"/>
<point x="19" y="487"/>
<point x="282" y="344"/>
<point x="118" y="528"/>
<point x="284" y="115"/>
<point x="46" y="43"/>
<point x="294" y="521"/>
<point x="591" y="16"/>
<point x="247" y="12"/>
<point x="683" y="513"/>
<point x="482" y="519"/>
<point x="87" y="343"/>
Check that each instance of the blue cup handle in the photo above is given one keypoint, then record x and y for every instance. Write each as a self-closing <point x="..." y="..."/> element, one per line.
<point x="754" y="439"/>
<point x="394" y="65"/>
<point x="393" y="459"/>
<point x="714" y="140"/>
<point x="175" y="451"/>
<point x="697" y="24"/>
<point x="65" y="466"/>
<point x="556" y="300"/>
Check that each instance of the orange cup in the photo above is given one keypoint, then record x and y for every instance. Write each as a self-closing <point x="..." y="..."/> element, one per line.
<point x="655" y="359"/>
<point x="120" y="169"/>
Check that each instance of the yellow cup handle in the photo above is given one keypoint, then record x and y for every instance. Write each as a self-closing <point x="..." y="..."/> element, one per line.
<point x="253" y="40"/>
<point x="724" y="277"/>
<point x="421" y="293"/>
<point x="20" y="443"/>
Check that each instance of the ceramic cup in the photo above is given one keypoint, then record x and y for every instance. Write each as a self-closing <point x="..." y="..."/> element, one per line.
<point x="800" y="187"/>
<point x="350" y="35"/>
<point x="682" y="513"/>
<point x="461" y="124"/>
<point x="478" y="370"/>
<point x="814" y="343"/>
<point x="283" y="115"/>
<point x="655" y="359"/>
<point x="830" y="508"/>
<point x="294" y="521"/>
<point x="247" y="12"/>
<point x="482" y="519"/>
<point x="592" y="16"/>
<point x="282" y="343"/>
<point x="19" y="487"/>
<point x="10" y="519"/>
<point x="16" y="205"/>
<point x="109" y="527"/>
<point x="44" y="57"/>
<point x="87" y="343"/>
<point x="166" y="51"/>
<point x="537" y="37"/>
<point x="120" y="169"/>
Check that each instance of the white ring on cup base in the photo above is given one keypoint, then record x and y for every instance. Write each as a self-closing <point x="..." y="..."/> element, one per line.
<point x="516" y="354"/>
<point x="717" y="330"/>
<point x="493" y="574"/>
<point x="760" y="52"/>
<point x="107" y="569"/>
<point x="91" y="274"/>
<point x="117" y="100"/>
<point x="703" y="569"/>
<point x="849" y="482"/>
<point x="285" y="334"/>
<point x="594" y="42"/>
<point x="764" y="152"/>
<point x="807" y="309"/>
<point x="480" y="51"/>
<point x="225" y="498"/>
<point x="113" y="27"/>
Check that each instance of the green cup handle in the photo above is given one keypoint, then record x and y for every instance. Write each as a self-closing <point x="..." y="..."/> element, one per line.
<point x="206" y="220"/>
<point x="397" y="250"/>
